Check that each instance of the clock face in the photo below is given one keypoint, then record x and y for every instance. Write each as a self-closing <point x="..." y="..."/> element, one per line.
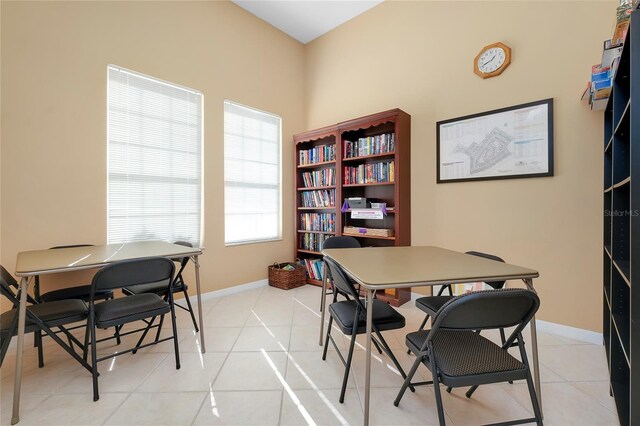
<point x="491" y="60"/>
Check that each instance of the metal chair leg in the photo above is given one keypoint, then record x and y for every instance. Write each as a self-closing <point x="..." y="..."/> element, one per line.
<point x="326" y="341"/>
<point x="387" y="350"/>
<point x="144" y="334"/>
<point x="175" y="331"/>
<point x="38" y="338"/>
<point x="159" y="327"/>
<point x="407" y="380"/>
<point x="193" y="317"/>
<point x="347" y="366"/>
<point x="94" y="357"/>
<point x="436" y="389"/>
<point x="471" y="390"/>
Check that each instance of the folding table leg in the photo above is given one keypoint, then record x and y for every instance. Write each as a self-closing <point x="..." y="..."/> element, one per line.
<point x="17" y="381"/>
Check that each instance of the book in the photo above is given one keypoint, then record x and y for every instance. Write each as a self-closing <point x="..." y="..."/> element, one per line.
<point x="609" y="55"/>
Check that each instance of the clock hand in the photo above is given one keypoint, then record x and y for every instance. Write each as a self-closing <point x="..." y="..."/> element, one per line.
<point x="492" y="58"/>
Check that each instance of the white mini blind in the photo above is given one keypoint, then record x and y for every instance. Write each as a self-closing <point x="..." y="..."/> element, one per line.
<point x="154" y="166"/>
<point x="252" y="177"/>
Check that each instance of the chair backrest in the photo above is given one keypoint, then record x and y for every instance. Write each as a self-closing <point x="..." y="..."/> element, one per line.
<point x="493" y="284"/>
<point x="488" y="309"/>
<point x="184" y="260"/>
<point x="6" y="282"/>
<point x="132" y="272"/>
<point x="340" y="279"/>
<point x="340" y="242"/>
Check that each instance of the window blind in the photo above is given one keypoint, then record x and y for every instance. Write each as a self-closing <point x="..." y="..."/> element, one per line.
<point x="252" y="176"/>
<point x="154" y="159"/>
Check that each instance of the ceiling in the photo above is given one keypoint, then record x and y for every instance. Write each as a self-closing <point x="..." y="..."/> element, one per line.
<point x="306" y="20"/>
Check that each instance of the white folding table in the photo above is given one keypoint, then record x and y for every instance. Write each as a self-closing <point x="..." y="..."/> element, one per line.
<point x="42" y="262"/>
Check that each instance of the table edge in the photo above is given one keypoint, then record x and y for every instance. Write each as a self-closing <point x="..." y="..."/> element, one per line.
<point x="95" y="265"/>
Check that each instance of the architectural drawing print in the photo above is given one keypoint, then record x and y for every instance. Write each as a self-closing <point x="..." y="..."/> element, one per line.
<point x="489" y="152"/>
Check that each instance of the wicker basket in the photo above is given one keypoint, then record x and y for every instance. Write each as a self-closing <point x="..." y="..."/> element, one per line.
<point x="286" y="280"/>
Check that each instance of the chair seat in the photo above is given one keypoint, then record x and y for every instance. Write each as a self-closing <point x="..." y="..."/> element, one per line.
<point x="82" y="292"/>
<point x="384" y="316"/>
<point x="159" y="288"/>
<point x="52" y="313"/>
<point x="128" y="309"/>
<point x="432" y="304"/>
<point x="469" y="356"/>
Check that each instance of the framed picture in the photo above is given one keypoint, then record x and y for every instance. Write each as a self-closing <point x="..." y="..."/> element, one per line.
<point x="506" y="143"/>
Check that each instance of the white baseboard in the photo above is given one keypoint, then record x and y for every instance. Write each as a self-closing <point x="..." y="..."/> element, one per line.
<point x="226" y="291"/>
<point x="557" y="329"/>
<point x="570" y="332"/>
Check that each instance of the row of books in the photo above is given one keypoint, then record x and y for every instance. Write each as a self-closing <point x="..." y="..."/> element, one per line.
<point x="319" y="198"/>
<point x="323" y="177"/>
<point x="314" y="268"/>
<point x="312" y="242"/>
<point x="370" y="173"/>
<point x="370" y="145"/>
<point x="322" y="222"/>
<point x="317" y="154"/>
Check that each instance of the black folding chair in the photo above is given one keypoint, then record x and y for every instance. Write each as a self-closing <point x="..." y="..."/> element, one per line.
<point x="81" y="292"/>
<point x="124" y="310"/>
<point x="431" y="304"/>
<point x="459" y="356"/>
<point x="351" y="317"/>
<point x="338" y="242"/>
<point x="162" y="290"/>
<point x="40" y="317"/>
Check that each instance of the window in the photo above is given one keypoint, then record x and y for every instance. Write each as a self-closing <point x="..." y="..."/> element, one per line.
<point x="154" y="159"/>
<point x="252" y="178"/>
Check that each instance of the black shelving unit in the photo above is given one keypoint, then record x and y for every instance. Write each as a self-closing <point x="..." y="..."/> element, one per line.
<point x="621" y="252"/>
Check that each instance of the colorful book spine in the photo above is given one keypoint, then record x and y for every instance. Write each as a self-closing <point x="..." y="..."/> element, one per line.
<point x="314" y="268"/>
<point x="320" y="222"/>
<point x="319" y="198"/>
<point x="317" y="154"/>
<point x="370" y="173"/>
<point x="318" y="178"/>
<point x="371" y="145"/>
<point x="312" y="242"/>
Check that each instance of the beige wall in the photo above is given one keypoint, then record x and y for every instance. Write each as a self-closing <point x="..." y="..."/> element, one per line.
<point x="418" y="56"/>
<point x="54" y="59"/>
<point x="413" y="55"/>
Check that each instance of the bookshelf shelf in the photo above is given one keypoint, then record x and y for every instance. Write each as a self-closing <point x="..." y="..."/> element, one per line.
<point x="355" y="185"/>
<point x="302" y="231"/>
<point x="368" y="157"/>
<point x="310" y="252"/>
<point x="375" y="237"/>
<point x="388" y="211"/>
<point x="621" y="301"/>
<point x="315" y="165"/>
<point x="317" y="208"/>
<point x="314" y="188"/>
<point x="388" y="130"/>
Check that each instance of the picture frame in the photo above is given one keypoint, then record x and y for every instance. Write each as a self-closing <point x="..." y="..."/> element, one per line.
<point x="506" y="143"/>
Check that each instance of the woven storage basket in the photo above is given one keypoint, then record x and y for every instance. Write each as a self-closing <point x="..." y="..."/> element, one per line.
<point x="286" y="280"/>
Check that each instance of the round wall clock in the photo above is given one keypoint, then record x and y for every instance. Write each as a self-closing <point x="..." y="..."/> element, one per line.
<point x="492" y="60"/>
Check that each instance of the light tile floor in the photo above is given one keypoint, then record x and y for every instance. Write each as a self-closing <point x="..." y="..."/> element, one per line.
<point x="263" y="367"/>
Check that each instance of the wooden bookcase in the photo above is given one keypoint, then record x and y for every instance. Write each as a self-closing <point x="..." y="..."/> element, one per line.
<point x="621" y="295"/>
<point x="383" y="143"/>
